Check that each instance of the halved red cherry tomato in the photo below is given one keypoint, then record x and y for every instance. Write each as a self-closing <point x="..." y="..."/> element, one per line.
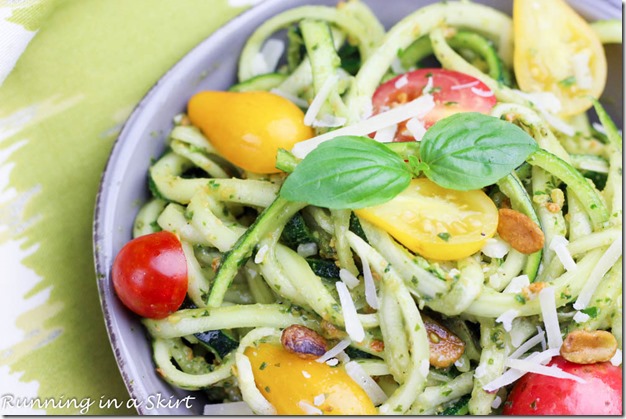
<point x="601" y="394"/>
<point x="150" y="275"/>
<point x="452" y="91"/>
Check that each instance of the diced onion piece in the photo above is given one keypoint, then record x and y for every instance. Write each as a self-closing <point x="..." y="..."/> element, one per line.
<point x="517" y="284"/>
<point x="350" y="280"/>
<point x="307" y="249"/>
<point x="606" y="262"/>
<point x="416" y="128"/>
<point x="552" y="371"/>
<point x="308" y="408"/>
<point x="386" y="135"/>
<point x="228" y="409"/>
<point x="351" y="318"/>
<point x="419" y="106"/>
<point x="260" y="255"/>
<point x="617" y="358"/>
<point x="319" y="99"/>
<point x="367" y="383"/>
<point x="334" y="351"/>
<point x="496" y="402"/>
<point x="465" y="85"/>
<point x="559" y="245"/>
<point x="506" y="319"/>
<point x="581" y="317"/>
<point x="550" y="318"/>
<point x="496" y="248"/>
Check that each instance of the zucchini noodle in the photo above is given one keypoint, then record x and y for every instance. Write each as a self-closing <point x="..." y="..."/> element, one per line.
<point x="258" y="263"/>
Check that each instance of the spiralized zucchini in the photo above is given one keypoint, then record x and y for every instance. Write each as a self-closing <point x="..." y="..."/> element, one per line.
<point x="245" y="279"/>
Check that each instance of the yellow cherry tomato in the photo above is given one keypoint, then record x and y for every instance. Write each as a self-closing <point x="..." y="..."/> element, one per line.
<point x="248" y="128"/>
<point x="435" y="222"/>
<point x="285" y="380"/>
<point x="557" y="51"/>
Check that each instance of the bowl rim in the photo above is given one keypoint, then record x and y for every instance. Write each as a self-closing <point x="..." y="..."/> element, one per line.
<point x="169" y="78"/>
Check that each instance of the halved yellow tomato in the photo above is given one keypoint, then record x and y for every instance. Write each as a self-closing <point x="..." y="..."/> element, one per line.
<point x="248" y="128"/>
<point x="288" y="381"/>
<point x="557" y="51"/>
<point x="435" y="222"/>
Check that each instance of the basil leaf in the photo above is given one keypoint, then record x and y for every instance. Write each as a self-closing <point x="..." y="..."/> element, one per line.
<point x="347" y="172"/>
<point x="467" y="151"/>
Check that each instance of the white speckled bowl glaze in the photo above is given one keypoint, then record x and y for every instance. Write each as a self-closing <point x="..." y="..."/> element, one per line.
<point x="212" y="65"/>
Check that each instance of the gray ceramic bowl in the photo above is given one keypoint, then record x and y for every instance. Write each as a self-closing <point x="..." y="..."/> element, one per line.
<point x="212" y="65"/>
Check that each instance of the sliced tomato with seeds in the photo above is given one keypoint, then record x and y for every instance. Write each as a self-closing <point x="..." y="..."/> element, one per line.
<point x="453" y="92"/>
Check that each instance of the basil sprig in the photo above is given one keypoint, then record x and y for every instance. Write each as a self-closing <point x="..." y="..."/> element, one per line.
<point x="465" y="151"/>
<point x="347" y="172"/>
<point x="468" y="151"/>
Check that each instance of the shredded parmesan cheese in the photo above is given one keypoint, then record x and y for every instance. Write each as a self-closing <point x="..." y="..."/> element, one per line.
<point x="481" y="93"/>
<point x="307" y="249"/>
<point x="332" y="362"/>
<point x="353" y="324"/>
<point x="334" y="351"/>
<point x="421" y="105"/>
<point x="401" y="82"/>
<point x="308" y="408"/>
<point x="416" y="128"/>
<point x="606" y="262"/>
<point x="386" y="135"/>
<point x="552" y="371"/>
<point x="260" y="255"/>
<point x="580" y="317"/>
<point x="617" y="358"/>
<point x="319" y="99"/>
<point x="329" y="121"/>
<point x="373" y="390"/>
<point x="506" y="319"/>
<point x="529" y="344"/>
<point x="319" y="399"/>
<point x="517" y="284"/>
<point x="465" y="85"/>
<point x="496" y="248"/>
<point x="550" y="318"/>
<point x="350" y="280"/>
<point x="559" y="245"/>
<point x="512" y="375"/>
<point x="370" y="288"/>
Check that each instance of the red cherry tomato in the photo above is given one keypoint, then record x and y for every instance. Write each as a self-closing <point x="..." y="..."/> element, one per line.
<point x="150" y="275"/>
<point x="601" y="394"/>
<point x="469" y="95"/>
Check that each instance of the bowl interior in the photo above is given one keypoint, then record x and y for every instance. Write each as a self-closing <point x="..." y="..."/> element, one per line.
<point x="212" y="65"/>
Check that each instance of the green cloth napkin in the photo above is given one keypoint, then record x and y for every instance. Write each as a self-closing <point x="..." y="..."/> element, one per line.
<point x="80" y="68"/>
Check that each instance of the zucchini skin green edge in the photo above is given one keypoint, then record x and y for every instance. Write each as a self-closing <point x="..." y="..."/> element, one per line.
<point x="272" y="219"/>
